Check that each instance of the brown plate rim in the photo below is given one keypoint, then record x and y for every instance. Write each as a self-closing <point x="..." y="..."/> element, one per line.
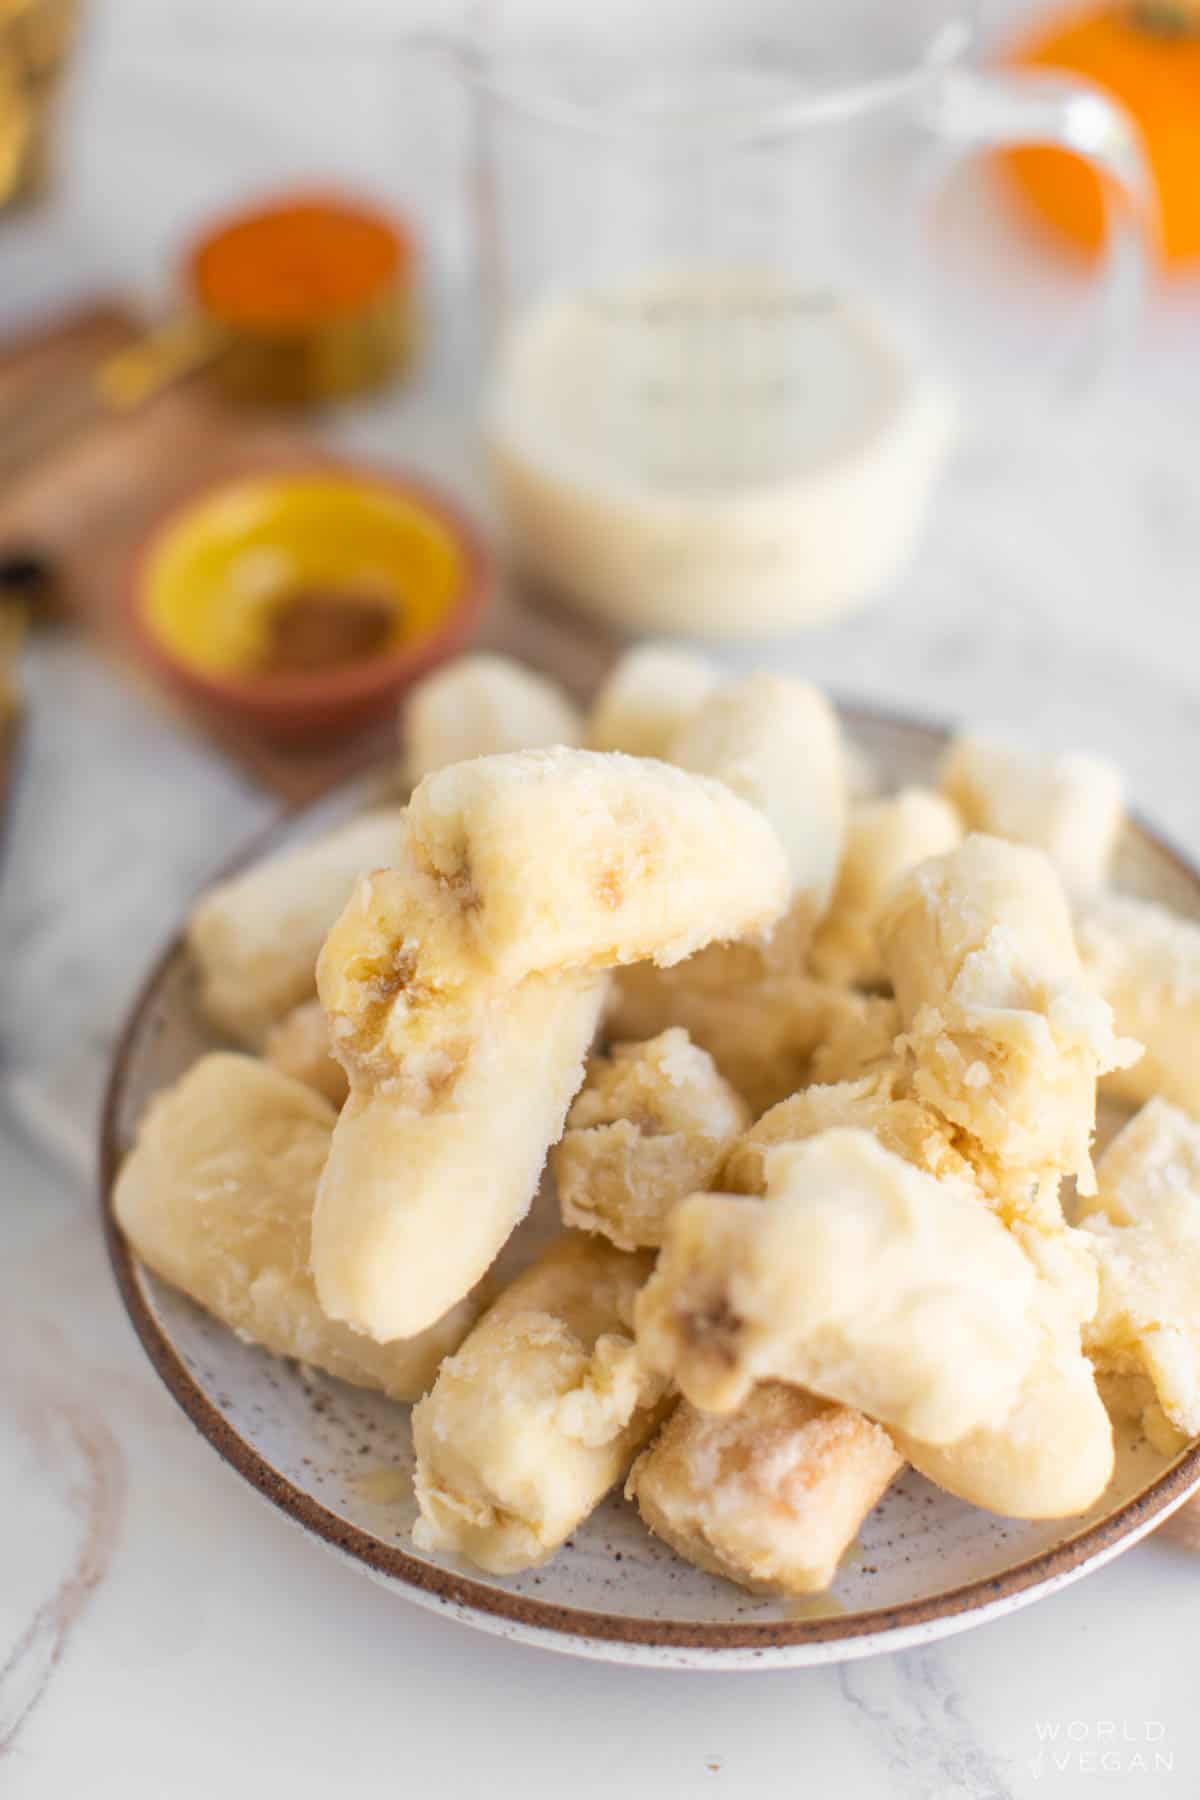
<point x="1127" y="1521"/>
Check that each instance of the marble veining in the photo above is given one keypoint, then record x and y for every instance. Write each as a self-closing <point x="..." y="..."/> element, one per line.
<point x="82" y="1467"/>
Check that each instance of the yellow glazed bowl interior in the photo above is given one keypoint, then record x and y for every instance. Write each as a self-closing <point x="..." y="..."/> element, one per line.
<point x="214" y="573"/>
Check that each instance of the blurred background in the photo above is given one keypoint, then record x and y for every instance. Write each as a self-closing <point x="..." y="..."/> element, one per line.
<point x="442" y="246"/>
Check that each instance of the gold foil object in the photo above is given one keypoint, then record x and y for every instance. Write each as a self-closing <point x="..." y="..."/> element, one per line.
<point x="35" y="40"/>
<point x="306" y="367"/>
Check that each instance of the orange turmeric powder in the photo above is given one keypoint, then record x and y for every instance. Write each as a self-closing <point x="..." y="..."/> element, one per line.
<point x="298" y="264"/>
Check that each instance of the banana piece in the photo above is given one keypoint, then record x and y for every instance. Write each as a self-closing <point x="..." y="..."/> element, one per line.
<point x="1007" y="1036"/>
<point x="432" y="1169"/>
<point x="859" y="1036"/>
<point x="884" y="840"/>
<point x="859" y="1278"/>
<point x="300" y="1046"/>
<point x="1145" y="1233"/>
<point x="1145" y="961"/>
<point x="217" y="1197"/>
<point x="653" y="691"/>
<point x="481" y="705"/>
<point x="777" y="742"/>
<point x="538" y="1414"/>
<point x="874" y="1103"/>
<point x="1051" y="1457"/>
<point x="881" y="1102"/>
<point x="863" y="775"/>
<point x="255" y="938"/>
<point x="769" y="1496"/>
<point x="767" y="1035"/>
<point x="651" y="1123"/>
<point x="561" y="859"/>
<point x="463" y="988"/>
<point x="1071" y="806"/>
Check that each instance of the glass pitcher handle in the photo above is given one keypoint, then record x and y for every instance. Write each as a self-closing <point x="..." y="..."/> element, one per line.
<point x="987" y="110"/>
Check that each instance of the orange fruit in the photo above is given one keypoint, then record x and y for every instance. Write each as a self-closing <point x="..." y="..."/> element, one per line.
<point x="1147" y="57"/>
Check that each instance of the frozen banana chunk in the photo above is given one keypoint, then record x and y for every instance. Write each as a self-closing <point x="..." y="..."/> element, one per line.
<point x="255" y="938"/>
<point x="1051" y="1457"/>
<point x="461" y="1071"/>
<point x="434" y="1165"/>
<point x="858" y="1038"/>
<point x="1071" y="806"/>
<point x="874" y="1103"/>
<point x="769" y="1496"/>
<point x="777" y="743"/>
<point x="1007" y="1036"/>
<point x="1145" y="1233"/>
<point x="1145" y="961"/>
<point x="863" y="780"/>
<point x="881" y="1102"/>
<point x="884" y="840"/>
<point x="398" y="978"/>
<point x="858" y="1277"/>
<point x="217" y="1197"/>
<point x="650" y="1124"/>
<point x="651" y="694"/>
<point x="300" y="1046"/>
<point x="560" y="859"/>
<point x="539" y="1413"/>
<point x="481" y="705"/>
<point x="763" y="1035"/>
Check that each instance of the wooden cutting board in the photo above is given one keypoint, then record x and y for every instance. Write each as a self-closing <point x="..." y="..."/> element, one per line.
<point x="88" y="500"/>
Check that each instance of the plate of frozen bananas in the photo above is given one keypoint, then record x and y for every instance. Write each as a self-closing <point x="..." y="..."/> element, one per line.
<point x="712" y="1182"/>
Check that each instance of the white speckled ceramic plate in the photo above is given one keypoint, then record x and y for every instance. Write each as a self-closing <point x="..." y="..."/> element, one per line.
<point x="338" y="1461"/>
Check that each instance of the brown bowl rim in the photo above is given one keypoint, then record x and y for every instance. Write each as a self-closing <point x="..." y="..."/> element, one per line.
<point x="1127" y="1521"/>
<point x="360" y="684"/>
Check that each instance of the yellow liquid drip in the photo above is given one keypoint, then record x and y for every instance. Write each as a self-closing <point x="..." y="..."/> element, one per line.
<point x="383" y="1486"/>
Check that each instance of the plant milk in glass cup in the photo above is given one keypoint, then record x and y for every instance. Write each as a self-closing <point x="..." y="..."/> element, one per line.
<point x="716" y="400"/>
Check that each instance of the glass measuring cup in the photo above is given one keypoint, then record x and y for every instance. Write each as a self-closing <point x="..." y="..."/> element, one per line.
<point x="716" y="400"/>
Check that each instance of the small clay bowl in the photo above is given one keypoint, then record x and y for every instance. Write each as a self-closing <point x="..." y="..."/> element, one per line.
<point x="207" y="580"/>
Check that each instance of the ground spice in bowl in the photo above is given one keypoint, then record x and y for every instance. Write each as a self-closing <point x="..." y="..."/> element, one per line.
<point x="312" y="629"/>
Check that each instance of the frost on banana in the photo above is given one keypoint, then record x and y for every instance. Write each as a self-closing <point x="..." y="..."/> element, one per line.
<point x="876" y="1103"/>
<point x="540" y="1411"/>
<point x="768" y="1496"/>
<point x="1051" y="1454"/>
<point x="217" y="1197"/>
<point x="651" y="1124"/>
<point x="859" y="1278"/>
<point x="1007" y="1035"/>
<point x="767" y="1036"/>
<point x="463" y="988"/>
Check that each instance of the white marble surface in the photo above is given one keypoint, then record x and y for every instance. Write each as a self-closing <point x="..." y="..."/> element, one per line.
<point x="166" y="1634"/>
